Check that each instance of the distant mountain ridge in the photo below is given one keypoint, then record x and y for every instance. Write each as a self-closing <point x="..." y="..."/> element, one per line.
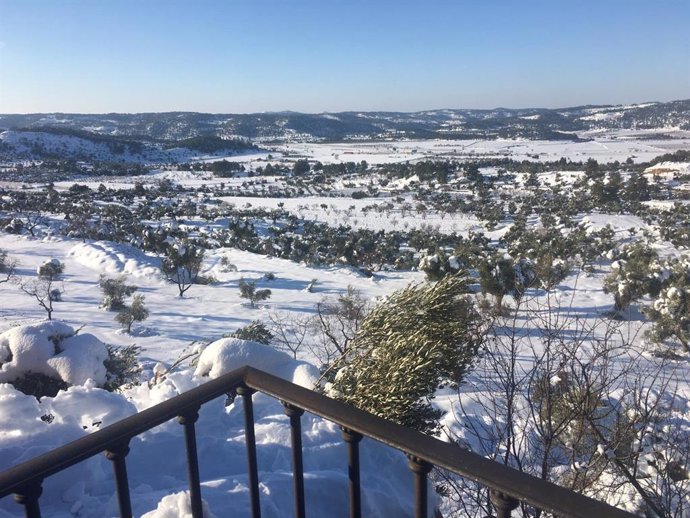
<point x="534" y="123"/>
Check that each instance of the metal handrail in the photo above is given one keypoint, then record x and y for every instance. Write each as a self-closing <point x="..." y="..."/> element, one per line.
<point x="424" y="451"/>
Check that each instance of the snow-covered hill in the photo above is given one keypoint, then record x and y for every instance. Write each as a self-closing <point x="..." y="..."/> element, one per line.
<point x="50" y="143"/>
<point x="531" y="123"/>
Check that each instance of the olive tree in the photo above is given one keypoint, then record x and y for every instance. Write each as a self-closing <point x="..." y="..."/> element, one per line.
<point x="416" y="340"/>
<point x="136" y="312"/>
<point x="182" y="265"/>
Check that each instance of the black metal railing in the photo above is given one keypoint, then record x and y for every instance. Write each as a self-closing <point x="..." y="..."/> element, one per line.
<point x="507" y="486"/>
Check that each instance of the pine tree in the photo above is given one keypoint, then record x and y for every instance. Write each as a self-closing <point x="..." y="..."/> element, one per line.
<point x="670" y="311"/>
<point x="248" y="291"/>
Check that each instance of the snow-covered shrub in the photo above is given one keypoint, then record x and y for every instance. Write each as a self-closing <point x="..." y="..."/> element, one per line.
<point x="632" y="275"/>
<point x="51" y="269"/>
<point x="229" y="354"/>
<point x="670" y="311"/>
<point x="550" y="271"/>
<point x="226" y="265"/>
<point x="502" y="275"/>
<point x="563" y="405"/>
<point x="114" y="292"/>
<point x="177" y="505"/>
<point x="417" y="339"/>
<point x="38" y="385"/>
<point x="15" y="226"/>
<point x="53" y="350"/>
<point x="122" y="367"/>
<point x="255" y="331"/>
<point x="437" y="265"/>
<point x="4" y="262"/>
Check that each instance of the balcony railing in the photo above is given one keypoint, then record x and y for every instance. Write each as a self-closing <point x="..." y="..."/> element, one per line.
<point x="507" y="486"/>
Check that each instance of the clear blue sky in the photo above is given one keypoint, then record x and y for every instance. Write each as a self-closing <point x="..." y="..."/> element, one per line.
<point x="331" y="55"/>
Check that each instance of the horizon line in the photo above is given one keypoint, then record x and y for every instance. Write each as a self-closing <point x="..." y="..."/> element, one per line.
<point x="278" y="112"/>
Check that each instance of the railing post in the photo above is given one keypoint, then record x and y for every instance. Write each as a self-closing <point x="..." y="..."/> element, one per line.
<point x="187" y="420"/>
<point x="253" y="470"/>
<point x="28" y="497"/>
<point x="421" y="469"/>
<point x="116" y="454"/>
<point x="295" y="413"/>
<point x="503" y="504"/>
<point x="352" y="439"/>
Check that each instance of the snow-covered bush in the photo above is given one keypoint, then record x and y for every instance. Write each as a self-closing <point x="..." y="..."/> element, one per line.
<point x="632" y="275"/>
<point x="226" y="265"/>
<point x="41" y="359"/>
<point x="255" y="331"/>
<point x="248" y="291"/>
<point x="670" y="311"/>
<point x="122" y="367"/>
<point x="437" y="265"/>
<point x="228" y="354"/>
<point x="502" y="275"/>
<point x="550" y="271"/>
<point x="417" y="339"/>
<point x="4" y="261"/>
<point x="53" y="350"/>
<point x="51" y="269"/>
<point x="15" y="226"/>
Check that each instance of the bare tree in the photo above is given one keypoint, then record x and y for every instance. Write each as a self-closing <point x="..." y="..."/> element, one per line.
<point x="8" y="267"/>
<point x="44" y="290"/>
<point x="335" y="324"/>
<point x="571" y="401"/>
<point x="290" y="332"/>
<point x="45" y="287"/>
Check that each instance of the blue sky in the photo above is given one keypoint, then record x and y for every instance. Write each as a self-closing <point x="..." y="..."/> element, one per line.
<point x="330" y="55"/>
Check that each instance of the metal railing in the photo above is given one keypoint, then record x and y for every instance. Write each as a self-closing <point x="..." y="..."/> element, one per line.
<point x="507" y="486"/>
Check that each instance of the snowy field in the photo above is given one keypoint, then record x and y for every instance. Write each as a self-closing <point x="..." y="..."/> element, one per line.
<point x="606" y="148"/>
<point x="178" y="327"/>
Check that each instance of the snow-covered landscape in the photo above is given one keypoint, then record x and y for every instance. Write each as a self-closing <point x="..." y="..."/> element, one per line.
<point x="322" y="259"/>
<point x="295" y="233"/>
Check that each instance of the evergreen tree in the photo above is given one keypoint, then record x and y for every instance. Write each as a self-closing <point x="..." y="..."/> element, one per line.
<point x="670" y="311"/>
<point x="632" y="276"/>
<point x="137" y="312"/>
<point x="114" y="292"/>
<point x="418" y="339"/>
<point x="182" y="265"/>
<point x="497" y="278"/>
<point x="248" y="291"/>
